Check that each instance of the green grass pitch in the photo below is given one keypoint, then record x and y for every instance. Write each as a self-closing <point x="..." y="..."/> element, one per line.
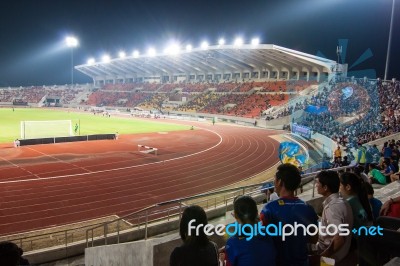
<point x="89" y="123"/>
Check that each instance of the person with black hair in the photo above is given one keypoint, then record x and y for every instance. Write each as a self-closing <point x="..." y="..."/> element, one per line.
<point x="289" y="209"/>
<point x="9" y="254"/>
<point x="196" y="250"/>
<point x="335" y="211"/>
<point x="345" y="161"/>
<point x="352" y="189"/>
<point x="259" y="250"/>
<point x="375" y="203"/>
<point x="375" y="176"/>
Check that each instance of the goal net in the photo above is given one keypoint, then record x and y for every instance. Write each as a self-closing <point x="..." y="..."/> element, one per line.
<point x="45" y="129"/>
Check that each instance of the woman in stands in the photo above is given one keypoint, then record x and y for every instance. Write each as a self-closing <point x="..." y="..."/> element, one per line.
<point x="352" y="188"/>
<point x="259" y="250"/>
<point x="196" y="250"/>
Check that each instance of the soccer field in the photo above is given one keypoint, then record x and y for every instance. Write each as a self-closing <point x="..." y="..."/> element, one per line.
<point x="89" y="123"/>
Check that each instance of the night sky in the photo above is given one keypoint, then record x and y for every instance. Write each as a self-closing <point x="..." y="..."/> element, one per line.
<point x="32" y="33"/>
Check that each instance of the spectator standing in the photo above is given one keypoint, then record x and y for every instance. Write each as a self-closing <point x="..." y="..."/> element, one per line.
<point x="373" y="150"/>
<point x="259" y="250"/>
<point x="335" y="211"/>
<point x="352" y="189"/>
<point x="338" y="156"/>
<point x="361" y="154"/>
<point x="289" y="209"/>
<point x="197" y="249"/>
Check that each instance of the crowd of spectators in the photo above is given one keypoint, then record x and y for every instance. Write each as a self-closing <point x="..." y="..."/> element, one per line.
<point x="35" y="94"/>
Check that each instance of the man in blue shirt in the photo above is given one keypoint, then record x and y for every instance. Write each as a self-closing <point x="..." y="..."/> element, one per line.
<point x="289" y="209"/>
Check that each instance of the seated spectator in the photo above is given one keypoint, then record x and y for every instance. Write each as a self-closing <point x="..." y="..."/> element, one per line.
<point x="259" y="250"/>
<point x="387" y="170"/>
<point x="197" y="250"/>
<point x="345" y="161"/>
<point x="395" y="177"/>
<point x="289" y="209"/>
<point x="376" y="204"/>
<point x="335" y="211"/>
<point x="9" y="254"/>
<point x="359" y="170"/>
<point x="352" y="189"/>
<point x="391" y="207"/>
<point x="375" y="176"/>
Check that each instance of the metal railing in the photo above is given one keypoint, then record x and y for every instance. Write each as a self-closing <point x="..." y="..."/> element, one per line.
<point x="167" y="211"/>
<point x="141" y="220"/>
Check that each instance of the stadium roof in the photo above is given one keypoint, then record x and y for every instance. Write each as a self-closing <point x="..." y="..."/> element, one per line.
<point x="218" y="59"/>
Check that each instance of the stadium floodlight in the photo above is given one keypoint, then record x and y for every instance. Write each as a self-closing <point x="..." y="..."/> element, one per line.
<point x="255" y="41"/>
<point x="204" y="45"/>
<point x="188" y="47"/>
<point x="221" y="41"/>
<point x="174" y="49"/>
<point x="238" y="42"/>
<point x="105" y="58"/>
<point x="166" y="50"/>
<point x="91" y="61"/>
<point x="151" y="52"/>
<point x="389" y="42"/>
<point x="121" y="54"/>
<point x="135" y="54"/>
<point x="72" y="42"/>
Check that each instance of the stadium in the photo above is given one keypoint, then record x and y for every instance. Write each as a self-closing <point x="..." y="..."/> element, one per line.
<point x="107" y="172"/>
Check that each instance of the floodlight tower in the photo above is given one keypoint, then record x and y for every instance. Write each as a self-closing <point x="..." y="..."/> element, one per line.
<point x="339" y="50"/>
<point x="389" y="43"/>
<point x="72" y="42"/>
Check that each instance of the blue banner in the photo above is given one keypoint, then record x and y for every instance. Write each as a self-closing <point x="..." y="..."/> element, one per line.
<point x="301" y="130"/>
<point x="313" y="109"/>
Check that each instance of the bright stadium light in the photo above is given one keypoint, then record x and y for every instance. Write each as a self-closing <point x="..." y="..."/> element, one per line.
<point x="174" y="49"/>
<point x="91" y="61"/>
<point x="188" y="47"/>
<point x="238" y="42"/>
<point x="255" y="41"/>
<point x="151" y="52"/>
<point x="135" y="54"/>
<point x="204" y="45"/>
<point x="72" y="42"/>
<point x="121" y="54"/>
<point x="221" y="41"/>
<point x="167" y="50"/>
<point x="105" y="58"/>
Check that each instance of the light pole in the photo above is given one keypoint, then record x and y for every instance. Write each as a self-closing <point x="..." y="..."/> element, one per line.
<point x="72" y="42"/>
<point x="389" y="43"/>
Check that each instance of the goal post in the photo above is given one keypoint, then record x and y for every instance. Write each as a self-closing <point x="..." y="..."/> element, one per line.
<point x="45" y="129"/>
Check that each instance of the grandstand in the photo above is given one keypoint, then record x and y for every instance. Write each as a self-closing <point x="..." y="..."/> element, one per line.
<point x="215" y="64"/>
<point x="271" y="85"/>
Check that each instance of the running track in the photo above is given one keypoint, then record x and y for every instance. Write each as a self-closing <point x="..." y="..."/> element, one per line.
<point x="46" y="185"/>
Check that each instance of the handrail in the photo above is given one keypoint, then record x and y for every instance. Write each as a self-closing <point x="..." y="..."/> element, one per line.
<point x="149" y="210"/>
<point x="145" y="216"/>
